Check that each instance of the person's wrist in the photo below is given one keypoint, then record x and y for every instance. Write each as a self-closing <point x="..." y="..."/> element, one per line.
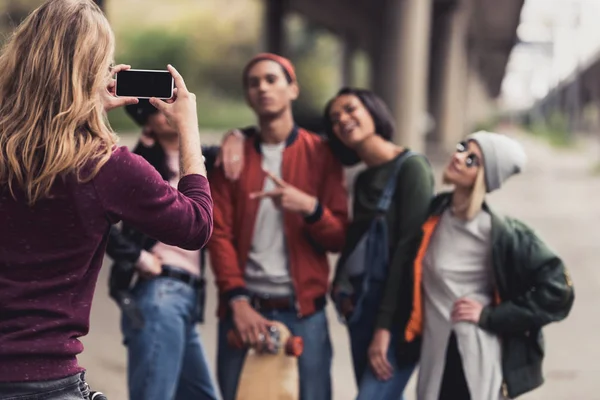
<point x="144" y="260"/>
<point x="239" y="302"/>
<point x="311" y="206"/>
<point x="188" y="128"/>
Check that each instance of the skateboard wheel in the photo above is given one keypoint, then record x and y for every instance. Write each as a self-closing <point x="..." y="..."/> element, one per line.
<point x="234" y="339"/>
<point x="294" y="346"/>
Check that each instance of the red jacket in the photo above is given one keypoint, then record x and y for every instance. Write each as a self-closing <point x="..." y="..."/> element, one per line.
<point x="307" y="164"/>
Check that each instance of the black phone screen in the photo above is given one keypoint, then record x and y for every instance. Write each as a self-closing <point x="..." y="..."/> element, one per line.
<point x="145" y="84"/>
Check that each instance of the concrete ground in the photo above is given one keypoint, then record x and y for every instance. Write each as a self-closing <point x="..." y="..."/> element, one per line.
<point x="557" y="196"/>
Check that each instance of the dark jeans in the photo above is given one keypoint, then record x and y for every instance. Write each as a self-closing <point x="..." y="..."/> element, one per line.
<point x="72" y="387"/>
<point x="454" y="384"/>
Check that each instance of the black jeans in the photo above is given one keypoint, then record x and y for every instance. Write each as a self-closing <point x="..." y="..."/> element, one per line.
<point x="454" y="384"/>
<point x="72" y="387"/>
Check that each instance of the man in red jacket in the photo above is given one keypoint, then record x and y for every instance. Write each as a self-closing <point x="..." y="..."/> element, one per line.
<point x="272" y="230"/>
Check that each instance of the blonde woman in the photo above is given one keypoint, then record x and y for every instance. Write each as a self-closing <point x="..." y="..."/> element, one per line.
<point x="484" y="285"/>
<point x="64" y="182"/>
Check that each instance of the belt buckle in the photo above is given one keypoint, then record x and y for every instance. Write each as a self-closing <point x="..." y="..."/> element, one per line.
<point x="255" y="302"/>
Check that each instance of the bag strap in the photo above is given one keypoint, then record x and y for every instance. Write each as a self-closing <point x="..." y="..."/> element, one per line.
<point x="390" y="187"/>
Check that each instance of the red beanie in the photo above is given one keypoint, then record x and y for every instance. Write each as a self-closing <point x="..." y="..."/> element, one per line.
<point x="284" y="62"/>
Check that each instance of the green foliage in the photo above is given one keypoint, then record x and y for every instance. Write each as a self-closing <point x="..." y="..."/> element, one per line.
<point x="222" y="113"/>
<point x="316" y="54"/>
<point x="209" y="42"/>
<point x="121" y="122"/>
<point x="489" y="124"/>
<point x="555" y="130"/>
<point x="154" y="48"/>
<point x="362" y="71"/>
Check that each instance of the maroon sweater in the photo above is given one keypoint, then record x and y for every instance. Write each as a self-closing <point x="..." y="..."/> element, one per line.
<point x="51" y="253"/>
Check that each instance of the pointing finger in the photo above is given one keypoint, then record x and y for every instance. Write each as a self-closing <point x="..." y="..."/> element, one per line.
<point x="278" y="181"/>
<point x="260" y="195"/>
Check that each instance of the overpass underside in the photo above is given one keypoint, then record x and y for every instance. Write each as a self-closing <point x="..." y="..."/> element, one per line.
<point x="576" y="98"/>
<point x="439" y="58"/>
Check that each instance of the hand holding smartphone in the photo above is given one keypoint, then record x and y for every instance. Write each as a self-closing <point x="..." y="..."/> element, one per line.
<point x="144" y="84"/>
<point x="182" y="114"/>
<point x="108" y="96"/>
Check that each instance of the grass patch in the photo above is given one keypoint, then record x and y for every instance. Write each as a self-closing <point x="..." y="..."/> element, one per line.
<point x="554" y="130"/>
<point x="555" y="139"/>
<point x="223" y="114"/>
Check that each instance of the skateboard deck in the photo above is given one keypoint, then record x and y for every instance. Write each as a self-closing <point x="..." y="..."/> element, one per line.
<point x="271" y="376"/>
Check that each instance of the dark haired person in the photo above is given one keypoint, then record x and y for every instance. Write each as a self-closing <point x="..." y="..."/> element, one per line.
<point x="273" y="228"/>
<point x="166" y="359"/>
<point x="360" y="128"/>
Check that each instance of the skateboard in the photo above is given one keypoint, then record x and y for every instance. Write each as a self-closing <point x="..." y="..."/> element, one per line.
<point x="270" y="374"/>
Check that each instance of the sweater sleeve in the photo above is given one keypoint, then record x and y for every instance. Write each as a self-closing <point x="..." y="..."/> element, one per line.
<point x="131" y="190"/>
<point x="223" y="254"/>
<point x="327" y="225"/>
<point x="415" y="183"/>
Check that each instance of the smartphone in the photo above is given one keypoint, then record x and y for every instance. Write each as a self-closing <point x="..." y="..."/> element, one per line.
<point x="144" y="84"/>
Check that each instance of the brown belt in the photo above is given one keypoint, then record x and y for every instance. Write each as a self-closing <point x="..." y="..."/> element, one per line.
<point x="282" y="303"/>
<point x="271" y="303"/>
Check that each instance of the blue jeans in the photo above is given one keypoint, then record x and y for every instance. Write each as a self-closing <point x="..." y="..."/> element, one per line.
<point x="72" y="387"/>
<point x="166" y="360"/>
<point x="393" y="389"/>
<point x="314" y="364"/>
<point x="361" y="329"/>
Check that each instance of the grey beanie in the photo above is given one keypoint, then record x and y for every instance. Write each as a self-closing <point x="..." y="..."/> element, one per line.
<point x="502" y="157"/>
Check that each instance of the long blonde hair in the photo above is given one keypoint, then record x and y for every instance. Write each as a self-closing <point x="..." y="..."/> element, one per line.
<point x="52" y="120"/>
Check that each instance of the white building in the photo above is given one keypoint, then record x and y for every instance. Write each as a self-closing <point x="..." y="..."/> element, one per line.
<point x="556" y="37"/>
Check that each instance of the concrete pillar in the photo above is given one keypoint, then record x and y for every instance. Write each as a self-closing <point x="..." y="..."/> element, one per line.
<point x="348" y="51"/>
<point x="400" y="66"/>
<point x="275" y="11"/>
<point x="439" y="54"/>
<point x="382" y="75"/>
<point x="453" y="87"/>
<point x="479" y="105"/>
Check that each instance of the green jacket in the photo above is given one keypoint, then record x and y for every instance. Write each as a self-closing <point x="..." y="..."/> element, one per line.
<point x="534" y="289"/>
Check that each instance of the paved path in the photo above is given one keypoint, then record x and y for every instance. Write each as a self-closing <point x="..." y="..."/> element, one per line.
<point x="557" y="196"/>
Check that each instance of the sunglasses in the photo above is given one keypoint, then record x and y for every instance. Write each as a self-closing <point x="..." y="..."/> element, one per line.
<point x="471" y="160"/>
